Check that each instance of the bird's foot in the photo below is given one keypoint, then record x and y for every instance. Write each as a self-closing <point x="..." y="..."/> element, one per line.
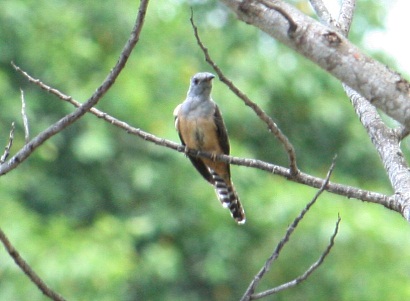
<point x="213" y="156"/>
<point x="186" y="150"/>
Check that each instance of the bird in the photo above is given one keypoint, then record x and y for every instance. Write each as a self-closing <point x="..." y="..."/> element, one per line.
<point x="200" y="126"/>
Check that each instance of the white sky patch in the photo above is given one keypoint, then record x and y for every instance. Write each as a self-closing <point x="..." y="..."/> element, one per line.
<point x="393" y="40"/>
<point x="333" y="6"/>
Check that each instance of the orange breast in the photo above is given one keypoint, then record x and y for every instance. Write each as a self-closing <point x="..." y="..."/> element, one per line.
<point x="200" y="134"/>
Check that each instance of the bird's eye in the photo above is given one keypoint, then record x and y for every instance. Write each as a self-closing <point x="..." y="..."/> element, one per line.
<point x="196" y="81"/>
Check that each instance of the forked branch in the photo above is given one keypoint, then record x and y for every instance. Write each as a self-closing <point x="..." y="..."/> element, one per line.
<point x="249" y="293"/>
<point x="6" y="152"/>
<point x="307" y="273"/>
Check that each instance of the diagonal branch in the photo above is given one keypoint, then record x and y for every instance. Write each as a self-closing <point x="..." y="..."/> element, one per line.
<point x="387" y="144"/>
<point x="67" y="120"/>
<point x="345" y="18"/>
<point x="258" y="111"/>
<point x="24" y="116"/>
<point x="9" y="144"/>
<point x="250" y="290"/>
<point x="322" y="12"/>
<point x="25" y="267"/>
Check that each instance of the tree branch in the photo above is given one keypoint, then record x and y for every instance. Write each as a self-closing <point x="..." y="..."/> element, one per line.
<point x="25" y="119"/>
<point x="387" y="144"/>
<point x="67" y="120"/>
<point x="25" y="267"/>
<point x="249" y="294"/>
<point x="322" y="12"/>
<point x="6" y="152"/>
<point x="345" y="18"/>
<point x="385" y="89"/>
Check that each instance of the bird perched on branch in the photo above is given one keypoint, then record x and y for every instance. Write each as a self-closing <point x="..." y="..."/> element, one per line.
<point x="200" y="127"/>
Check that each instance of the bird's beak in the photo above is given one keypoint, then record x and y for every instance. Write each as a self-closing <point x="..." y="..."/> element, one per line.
<point x="210" y="77"/>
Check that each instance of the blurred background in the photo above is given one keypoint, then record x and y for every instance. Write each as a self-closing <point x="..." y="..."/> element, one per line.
<point x="103" y="215"/>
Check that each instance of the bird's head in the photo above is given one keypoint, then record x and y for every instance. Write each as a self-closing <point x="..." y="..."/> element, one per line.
<point x="201" y="84"/>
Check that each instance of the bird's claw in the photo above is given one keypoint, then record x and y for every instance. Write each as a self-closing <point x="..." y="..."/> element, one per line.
<point x="186" y="150"/>
<point x="213" y="157"/>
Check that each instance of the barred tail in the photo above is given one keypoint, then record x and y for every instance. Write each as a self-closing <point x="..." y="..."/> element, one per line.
<point x="227" y="196"/>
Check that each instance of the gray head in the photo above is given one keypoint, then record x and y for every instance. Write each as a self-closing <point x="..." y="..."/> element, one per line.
<point x="201" y="84"/>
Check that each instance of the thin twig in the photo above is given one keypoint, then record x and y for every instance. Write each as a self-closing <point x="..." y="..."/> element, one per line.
<point x="25" y="119"/>
<point x="285" y="238"/>
<point x="259" y="112"/>
<point x="67" y="120"/>
<point x="322" y="12"/>
<point x="301" y="178"/>
<point x="307" y="273"/>
<point x="9" y="144"/>
<point x="25" y="267"/>
<point x="345" y="18"/>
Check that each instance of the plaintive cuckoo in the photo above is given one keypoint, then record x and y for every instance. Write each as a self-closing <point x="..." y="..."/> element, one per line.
<point x="200" y="127"/>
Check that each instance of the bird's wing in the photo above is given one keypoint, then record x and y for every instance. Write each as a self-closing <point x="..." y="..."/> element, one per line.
<point x="221" y="131"/>
<point x="222" y="134"/>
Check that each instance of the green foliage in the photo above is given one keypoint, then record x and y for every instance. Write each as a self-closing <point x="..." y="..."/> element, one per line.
<point x="102" y="215"/>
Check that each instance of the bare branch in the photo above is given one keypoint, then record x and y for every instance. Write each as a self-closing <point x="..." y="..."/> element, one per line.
<point x="9" y="144"/>
<point x="322" y="12"/>
<point x="249" y="292"/>
<point x="25" y="267"/>
<point x="25" y="119"/>
<point x="67" y="120"/>
<point x="387" y="143"/>
<point x="307" y="273"/>
<point x="272" y="126"/>
<point x="346" y="16"/>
